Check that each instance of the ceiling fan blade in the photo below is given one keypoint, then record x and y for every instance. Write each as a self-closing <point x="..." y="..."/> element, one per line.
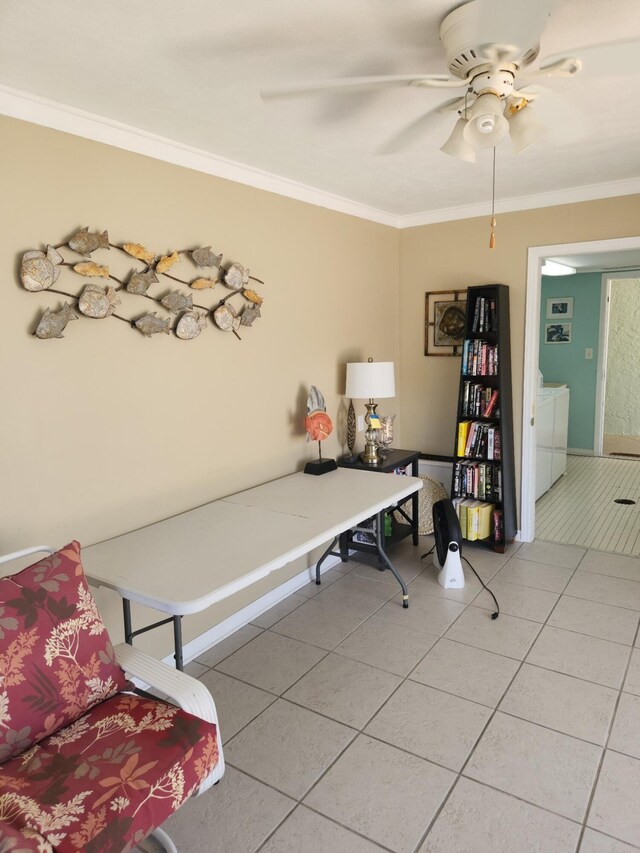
<point x="599" y="60"/>
<point x="510" y="22"/>
<point x="412" y="132"/>
<point x="362" y="83"/>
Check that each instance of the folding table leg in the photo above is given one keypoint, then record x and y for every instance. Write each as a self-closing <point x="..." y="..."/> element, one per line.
<point x="129" y="633"/>
<point x="328" y="553"/>
<point x="379" y="524"/>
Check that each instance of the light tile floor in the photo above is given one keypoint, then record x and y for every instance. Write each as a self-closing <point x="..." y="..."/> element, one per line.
<point x="580" y="508"/>
<point x="352" y="726"/>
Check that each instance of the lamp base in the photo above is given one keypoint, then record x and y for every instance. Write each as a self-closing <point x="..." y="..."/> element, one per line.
<point x="320" y="466"/>
<point x="371" y="455"/>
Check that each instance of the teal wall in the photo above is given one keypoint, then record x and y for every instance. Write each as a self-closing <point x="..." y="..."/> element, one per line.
<point x="566" y="362"/>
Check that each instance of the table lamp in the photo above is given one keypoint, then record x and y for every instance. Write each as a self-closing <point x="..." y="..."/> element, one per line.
<point x="370" y="379"/>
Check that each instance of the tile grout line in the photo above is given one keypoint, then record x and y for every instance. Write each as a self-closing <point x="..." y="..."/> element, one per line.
<point x="407" y="677"/>
<point x="606" y="745"/>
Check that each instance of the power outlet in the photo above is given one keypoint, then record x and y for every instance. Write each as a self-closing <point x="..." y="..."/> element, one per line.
<point x="588" y="353"/>
<point x="360" y="423"/>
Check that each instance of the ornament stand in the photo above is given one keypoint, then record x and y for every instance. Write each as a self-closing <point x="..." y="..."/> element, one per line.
<point x="320" y="465"/>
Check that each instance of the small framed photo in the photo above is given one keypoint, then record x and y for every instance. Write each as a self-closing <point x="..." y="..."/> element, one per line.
<point x="557" y="333"/>
<point x="444" y="322"/>
<point x="560" y="308"/>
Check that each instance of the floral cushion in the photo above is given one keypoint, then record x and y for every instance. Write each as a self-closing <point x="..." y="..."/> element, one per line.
<point x="56" y="660"/>
<point x="105" y="782"/>
<point x="12" y="840"/>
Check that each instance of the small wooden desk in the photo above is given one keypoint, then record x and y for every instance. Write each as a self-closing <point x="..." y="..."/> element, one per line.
<point x="191" y="561"/>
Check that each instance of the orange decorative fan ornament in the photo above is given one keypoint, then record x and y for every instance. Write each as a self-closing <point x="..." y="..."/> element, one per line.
<point x="318" y="425"/>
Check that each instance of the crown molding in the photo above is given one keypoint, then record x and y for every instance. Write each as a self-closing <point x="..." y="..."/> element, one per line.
<point x="42" y="111"/>
<point x="591" y="192"/>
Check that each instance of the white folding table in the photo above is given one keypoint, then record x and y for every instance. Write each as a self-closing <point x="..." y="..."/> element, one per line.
<point x="191" y="561"/>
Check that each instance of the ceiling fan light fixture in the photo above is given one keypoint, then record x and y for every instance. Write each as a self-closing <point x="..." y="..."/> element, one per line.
<point x="525" y="128"/>
<point x="487" y="125"/>
<point x="457" y="146"/>
<point x="556" y="268"/>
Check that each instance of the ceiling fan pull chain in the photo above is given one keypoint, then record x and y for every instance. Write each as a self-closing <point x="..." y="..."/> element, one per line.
<point x="492" y="235"/>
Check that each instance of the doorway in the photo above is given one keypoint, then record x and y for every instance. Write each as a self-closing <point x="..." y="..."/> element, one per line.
<point x="617" y="424"/>
<point x="601" y="253"/>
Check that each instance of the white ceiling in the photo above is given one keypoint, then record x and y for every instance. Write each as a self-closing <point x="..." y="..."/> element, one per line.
<point x="191" y="71"/>
<point x="602" y="261"/>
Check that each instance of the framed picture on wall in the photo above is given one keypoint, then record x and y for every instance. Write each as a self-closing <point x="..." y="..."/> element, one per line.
<point x="557" y="333"/>
<point x="560" y="308"/>
<point x="445" y="312"/>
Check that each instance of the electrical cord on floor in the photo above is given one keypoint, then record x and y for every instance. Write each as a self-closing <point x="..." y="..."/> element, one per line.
<point x="497" y="610"/>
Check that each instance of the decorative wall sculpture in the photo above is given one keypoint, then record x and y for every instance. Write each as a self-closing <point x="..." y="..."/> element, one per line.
<point x="41" y="270"/>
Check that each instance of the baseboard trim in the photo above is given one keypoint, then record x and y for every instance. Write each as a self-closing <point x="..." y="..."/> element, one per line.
<point x="224" y="629"/>
<point x="578" y="451"/>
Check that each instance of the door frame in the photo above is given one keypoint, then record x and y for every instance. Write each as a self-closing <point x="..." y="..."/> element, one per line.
<point x="536" y="255"/>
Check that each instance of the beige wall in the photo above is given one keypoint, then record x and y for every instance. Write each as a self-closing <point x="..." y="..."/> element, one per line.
<point x="454" y="255"/>
<point x="106" y="430"/>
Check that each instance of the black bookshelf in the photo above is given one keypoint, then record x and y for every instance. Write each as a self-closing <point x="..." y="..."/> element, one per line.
<point x="483" y="481"/>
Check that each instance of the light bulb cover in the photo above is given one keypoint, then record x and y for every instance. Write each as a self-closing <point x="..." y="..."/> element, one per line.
<point x="525" y="128"/>
<point x="487" y="125"/>
<point x="457" y="146"/>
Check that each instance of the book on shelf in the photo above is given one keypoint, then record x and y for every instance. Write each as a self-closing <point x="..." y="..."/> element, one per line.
<point x="485" y="318"/>
<point x="485" y="520"/>
<point x="491" y="405"/>
<point x="498" y="526"/>
<point x="479" y="358"/>
<point x="476" y="518"/>
<point x="463" y="432"/>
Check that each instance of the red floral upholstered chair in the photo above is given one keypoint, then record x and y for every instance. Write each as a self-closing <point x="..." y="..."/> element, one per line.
<point x="86" y="764"/>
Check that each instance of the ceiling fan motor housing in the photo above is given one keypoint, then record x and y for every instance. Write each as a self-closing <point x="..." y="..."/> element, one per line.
<point x="465" y="57"/>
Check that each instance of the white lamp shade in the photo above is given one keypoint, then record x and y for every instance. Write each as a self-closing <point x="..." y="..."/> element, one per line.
<point x="457" y="146"/>
<point x="368" y="380"/>
<point x="487" y="125"/>
<point x="525" y="128"/>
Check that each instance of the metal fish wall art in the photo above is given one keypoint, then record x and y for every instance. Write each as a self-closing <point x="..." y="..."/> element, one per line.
<point x="203" y="284"/>
<point x="190" y="325"/>
<point x="41" y="269"/>
<point x="136" y="250"/>
<point x="176" y="301"/>
<point x="226" y="318"/>
<point x="252" y="296"/>
<point x="249" y="315"/>
<point x="53" y="323"/>
<point x="167" y="261"/>
<point x="85" y="242"/>
<point x="91" y="269"/>
<point x="140" y="282"/>
<point x="151" y="324"/>
<point x="206" y="258"/>
<point x="236" y="277"/>
<point x="95" y="302"/>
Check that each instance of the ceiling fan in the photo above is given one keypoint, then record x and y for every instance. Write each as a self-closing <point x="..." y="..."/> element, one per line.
<point x="490" y="46"/>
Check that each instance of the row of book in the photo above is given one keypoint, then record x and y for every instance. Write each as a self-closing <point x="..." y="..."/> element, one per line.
<point x="479" y="358"/>
<point x="479" y="401"/>
<point x="479" y="520"/>
<point x="485" y="315"/>
<point x="479" y="440"/>
<point x="476" y="518"/>
<point x="481" y="480"/>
